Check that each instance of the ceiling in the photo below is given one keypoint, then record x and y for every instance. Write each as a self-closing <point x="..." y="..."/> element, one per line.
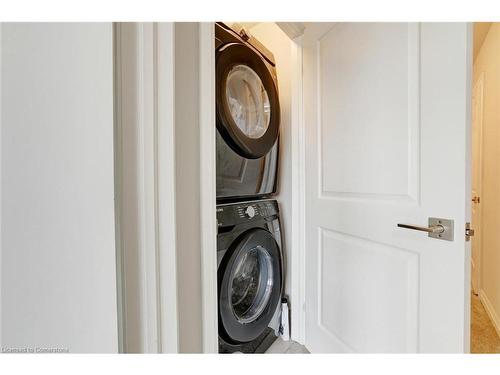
<point x="295" y="29"/>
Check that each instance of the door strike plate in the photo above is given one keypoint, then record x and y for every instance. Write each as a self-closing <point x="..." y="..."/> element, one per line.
<point x="469" y="232"/>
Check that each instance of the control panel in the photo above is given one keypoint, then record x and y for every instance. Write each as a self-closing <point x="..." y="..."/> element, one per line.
<point x="234" y="214"/>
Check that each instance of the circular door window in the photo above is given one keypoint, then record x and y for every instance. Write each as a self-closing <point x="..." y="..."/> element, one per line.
<point x="252" y="285"/>
<point x="250" y="282"/>
<point x="248" y="111"/>
<point x="248" y="101"/>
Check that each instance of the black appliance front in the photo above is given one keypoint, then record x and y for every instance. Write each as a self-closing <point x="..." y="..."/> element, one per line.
<point x="250" y="277"/>
<point x="239" y="177"/>
<point x="248" y="118"/>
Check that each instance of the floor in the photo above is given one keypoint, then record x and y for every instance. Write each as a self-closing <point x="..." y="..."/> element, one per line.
<point x="484" y="338"/>
<point x="286" y="347"/>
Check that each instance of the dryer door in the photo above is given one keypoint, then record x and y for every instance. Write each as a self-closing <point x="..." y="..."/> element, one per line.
<point x="249" y="286"/>
<point x="248" y="111"/>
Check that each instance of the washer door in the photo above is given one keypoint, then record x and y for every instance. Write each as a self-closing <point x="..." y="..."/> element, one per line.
<point x="249" y="279"/>
<point x="248" y="112"/>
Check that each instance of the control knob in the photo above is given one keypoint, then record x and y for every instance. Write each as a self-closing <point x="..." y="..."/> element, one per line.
<point x="250" y="212"/>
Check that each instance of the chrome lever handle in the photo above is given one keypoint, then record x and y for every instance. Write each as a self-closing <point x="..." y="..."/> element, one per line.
<point x="440" y="229"/>
<point x="432" y="229"/>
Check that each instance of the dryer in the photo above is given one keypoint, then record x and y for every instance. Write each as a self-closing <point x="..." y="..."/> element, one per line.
<point x="248" y="116"/>
<point x="250" y="276"/>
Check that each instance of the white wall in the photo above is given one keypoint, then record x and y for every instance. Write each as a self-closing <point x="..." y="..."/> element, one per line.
<point x="274" y="39"/>
<point x="488" y="62"/>
<point x="58" y="273"/>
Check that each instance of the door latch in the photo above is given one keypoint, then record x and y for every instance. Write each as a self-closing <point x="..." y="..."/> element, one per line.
<point x="469" y="232"/>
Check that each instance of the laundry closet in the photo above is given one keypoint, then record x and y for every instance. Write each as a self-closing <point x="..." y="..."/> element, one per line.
<point x="358" y="105"/>
<point x="356" y="221"/>
<point x="252" y="84"/>
<point x="371" y="226"/>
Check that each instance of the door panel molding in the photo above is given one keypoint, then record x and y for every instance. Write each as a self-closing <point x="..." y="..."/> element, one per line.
<point x="411" y="193"/>
<point x="396" y="260"/>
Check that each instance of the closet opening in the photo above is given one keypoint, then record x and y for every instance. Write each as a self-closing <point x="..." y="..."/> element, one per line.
<point x="255" y="65"/>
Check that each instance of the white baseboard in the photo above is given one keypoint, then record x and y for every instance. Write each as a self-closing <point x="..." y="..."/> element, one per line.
<point x="490" y="311"/>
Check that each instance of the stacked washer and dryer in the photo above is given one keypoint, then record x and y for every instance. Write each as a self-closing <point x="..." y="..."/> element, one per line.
<point x="250" y="256"/>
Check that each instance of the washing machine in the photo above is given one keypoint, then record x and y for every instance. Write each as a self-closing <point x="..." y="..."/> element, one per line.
<point x="247" y="116"/>
<point x="250" y="276"/>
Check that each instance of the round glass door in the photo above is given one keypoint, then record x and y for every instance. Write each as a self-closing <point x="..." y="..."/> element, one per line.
<point x="251" y="285"/>
<point x="248" y="101"/>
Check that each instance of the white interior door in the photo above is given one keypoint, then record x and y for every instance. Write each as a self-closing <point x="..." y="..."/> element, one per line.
<point x="386" y="123"/>
<point x="477" y="137"/>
